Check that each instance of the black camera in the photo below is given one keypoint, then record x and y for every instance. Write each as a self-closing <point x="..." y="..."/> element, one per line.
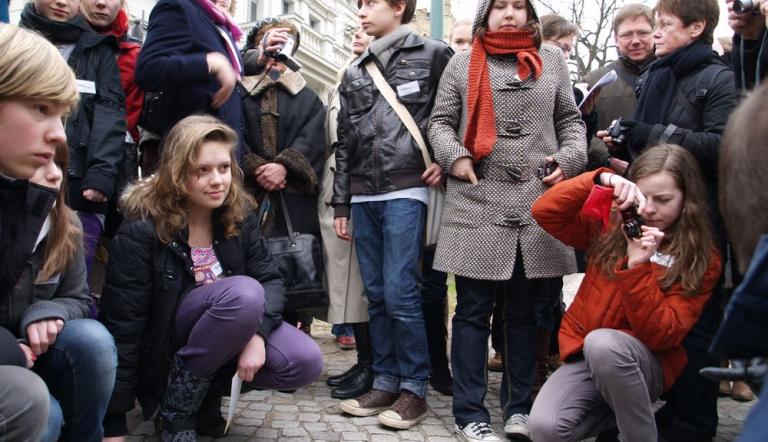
<point x="547" y="169"/>
<point x="617" y="131"/>
<point x="631" y="222"/>
<point x="285" y="54"/>
<point x="745" y="7"/>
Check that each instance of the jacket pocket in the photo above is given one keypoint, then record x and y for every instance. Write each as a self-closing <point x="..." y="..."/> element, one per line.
<point x="359" y="95"/>
<point x="412" y="83"/>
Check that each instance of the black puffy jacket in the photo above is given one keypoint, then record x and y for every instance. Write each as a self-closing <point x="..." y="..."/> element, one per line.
<point x="375" y="153"/>
<point x="146" y="279"/>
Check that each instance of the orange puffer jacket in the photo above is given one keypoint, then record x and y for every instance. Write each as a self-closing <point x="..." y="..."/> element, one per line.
<point x="633" y="301"/>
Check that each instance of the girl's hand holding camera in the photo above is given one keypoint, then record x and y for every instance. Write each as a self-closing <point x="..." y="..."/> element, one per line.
<point x="627" y="194"/>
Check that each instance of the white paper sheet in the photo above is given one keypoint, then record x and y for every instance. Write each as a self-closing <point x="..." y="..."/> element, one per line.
<point x="605" y="80"/>
<point x="234" y="398"/>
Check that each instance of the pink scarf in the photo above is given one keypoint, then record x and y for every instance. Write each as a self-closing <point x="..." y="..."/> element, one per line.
<point x="221" y="18"/>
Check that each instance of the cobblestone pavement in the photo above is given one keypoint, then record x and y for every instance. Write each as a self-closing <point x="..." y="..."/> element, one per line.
<point x="310" y="414"/>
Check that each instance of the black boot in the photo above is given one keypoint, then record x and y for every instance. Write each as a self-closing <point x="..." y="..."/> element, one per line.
<point x="434" y="321"/>
<point x="209" y="420"/>
<point x="361" y="381"/>
<point x="183" y="396"/>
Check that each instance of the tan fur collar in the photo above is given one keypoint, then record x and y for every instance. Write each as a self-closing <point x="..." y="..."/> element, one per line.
<point x="293" y="82"/>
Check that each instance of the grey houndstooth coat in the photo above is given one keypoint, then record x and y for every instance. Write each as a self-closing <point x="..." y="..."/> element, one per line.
<point x="483" y="225"/>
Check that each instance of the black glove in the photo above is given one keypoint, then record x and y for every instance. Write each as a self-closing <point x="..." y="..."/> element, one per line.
<point x="637" y="135"/>
<point x="752" y="371"/>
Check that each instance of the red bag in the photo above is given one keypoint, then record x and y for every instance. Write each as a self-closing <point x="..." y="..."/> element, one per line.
<point x="598" y="204"/>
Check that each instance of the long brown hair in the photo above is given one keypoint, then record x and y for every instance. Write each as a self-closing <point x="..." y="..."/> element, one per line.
<point x="162" y="196"/>
<point x="690" y="240"/>
<point x="65" y="236"/>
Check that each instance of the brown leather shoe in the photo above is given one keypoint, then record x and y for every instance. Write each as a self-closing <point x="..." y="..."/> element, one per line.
<point x="373" y="402"/>
<point x="741" y="392"/>
<point x="406" y="412"/>
<point x="495" y="364"/>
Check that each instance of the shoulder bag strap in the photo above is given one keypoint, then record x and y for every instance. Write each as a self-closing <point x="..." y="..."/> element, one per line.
<point x="400" y="110"/>
<point x="285" y="215"/>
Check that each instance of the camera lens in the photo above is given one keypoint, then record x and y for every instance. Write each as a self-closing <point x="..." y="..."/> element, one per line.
<point x="743" y="6"/>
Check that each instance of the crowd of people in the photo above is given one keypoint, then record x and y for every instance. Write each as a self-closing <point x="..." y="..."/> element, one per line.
<point x="143" y="186"/>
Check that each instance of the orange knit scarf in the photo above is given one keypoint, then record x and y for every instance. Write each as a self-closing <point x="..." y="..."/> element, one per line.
<point x="480" y="135"/>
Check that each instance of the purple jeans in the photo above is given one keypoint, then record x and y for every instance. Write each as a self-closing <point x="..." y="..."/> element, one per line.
<point x="215" y="321"/>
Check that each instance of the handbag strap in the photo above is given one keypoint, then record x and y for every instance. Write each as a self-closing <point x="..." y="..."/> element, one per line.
<point x="400" y="110"/>
<point x="285" y="215"/>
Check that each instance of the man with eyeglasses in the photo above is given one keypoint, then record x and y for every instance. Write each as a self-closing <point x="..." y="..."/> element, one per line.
<point x="633" y="35"/>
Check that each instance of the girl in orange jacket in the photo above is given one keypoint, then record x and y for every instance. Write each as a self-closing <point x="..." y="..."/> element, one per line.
<point x="621" y="339"/>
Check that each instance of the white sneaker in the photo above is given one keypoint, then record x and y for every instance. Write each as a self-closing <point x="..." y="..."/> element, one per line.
<point x="516" y="427"/>
<point x="477" y="431"/>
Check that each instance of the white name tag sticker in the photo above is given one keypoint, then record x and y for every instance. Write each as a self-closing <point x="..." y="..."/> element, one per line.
<point x="408" y="88"/>
<point x="86" y="87"/>
<point x="217" y="270"/>
<point x="662" y="259"/>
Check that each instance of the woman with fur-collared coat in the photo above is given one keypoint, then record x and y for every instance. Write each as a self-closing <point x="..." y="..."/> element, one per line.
<point x="503" y="113"/>
<point x="285" y="134"/>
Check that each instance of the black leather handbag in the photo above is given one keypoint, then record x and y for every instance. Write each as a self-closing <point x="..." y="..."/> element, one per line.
<point x="299" y="257"/>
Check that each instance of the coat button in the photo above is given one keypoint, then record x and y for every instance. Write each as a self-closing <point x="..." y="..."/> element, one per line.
<point x="174" y="244"/>
<point x="184" y="254"/>
<point x="216" y="243"/>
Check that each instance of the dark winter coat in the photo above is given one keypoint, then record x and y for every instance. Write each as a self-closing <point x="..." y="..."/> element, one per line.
<point x="749" y="61"/>
<point x="173" y="61"/>
<point x="147" y="279"/>
<point x="284" y="124"/>
<point x="23" y="209"/>
<point x="96" y="130"/>
<point x="63" y="296"/>
<point x="698" y="123"/>
<point x="617" y="99"/>
<point x="375" y="153"/>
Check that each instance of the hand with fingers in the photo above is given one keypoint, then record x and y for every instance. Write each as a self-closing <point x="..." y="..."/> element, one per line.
<point x="220" y="67"/>
<point x="43" y="334"/>
<point x="640" y="250"/>
<point x="556" y="176"/>
<point x="252" y="358"/>
<point x="271" y="176"/>
<point x="340" y="226"/>
<point x="463" y="169"/>
<point x="625" y="192"/>
<point x="433" y="176"/>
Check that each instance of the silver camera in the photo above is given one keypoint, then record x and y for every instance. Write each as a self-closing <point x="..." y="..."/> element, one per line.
<point x="284" y="55"/>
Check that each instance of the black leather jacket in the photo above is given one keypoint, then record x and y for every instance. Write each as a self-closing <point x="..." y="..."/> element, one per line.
<point x="375" y="153"/>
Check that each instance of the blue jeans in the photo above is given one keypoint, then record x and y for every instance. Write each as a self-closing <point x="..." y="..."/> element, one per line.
<point x="342" y="330"/>
<point x="79" y="369"/>
<point x="388" y="237"/>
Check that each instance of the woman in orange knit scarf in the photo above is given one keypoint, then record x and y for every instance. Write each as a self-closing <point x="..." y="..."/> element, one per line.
<point x="506" y="127"/>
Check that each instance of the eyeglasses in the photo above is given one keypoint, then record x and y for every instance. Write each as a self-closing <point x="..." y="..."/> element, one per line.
<point x="627" y="36"/>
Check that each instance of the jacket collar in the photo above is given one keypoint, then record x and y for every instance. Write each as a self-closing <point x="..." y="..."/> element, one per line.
<point x="293" y="82"/>
<point x="411" y="41"/>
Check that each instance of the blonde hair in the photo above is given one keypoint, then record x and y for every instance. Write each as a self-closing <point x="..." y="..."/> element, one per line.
<point x="33" y="69"/>
<point x="65" y="237"/>
<point x="691" y="240"/>
<point x="162" y="196"/>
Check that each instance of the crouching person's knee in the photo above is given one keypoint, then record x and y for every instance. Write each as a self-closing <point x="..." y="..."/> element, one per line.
<point x="24" y="404"/>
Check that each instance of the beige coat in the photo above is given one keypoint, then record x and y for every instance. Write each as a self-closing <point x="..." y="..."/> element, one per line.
<point x="348" y="303"/>
<point x="483" y="225"/>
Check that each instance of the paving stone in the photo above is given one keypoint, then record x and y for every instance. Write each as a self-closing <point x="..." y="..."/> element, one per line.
<point x="353" y="435"/>
<point x="295" y="431"/>
<point x="312" y="415"/>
